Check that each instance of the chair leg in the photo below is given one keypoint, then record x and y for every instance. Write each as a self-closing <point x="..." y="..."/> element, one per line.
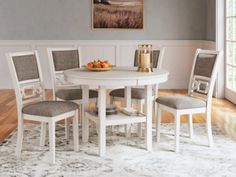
<point x="80" y="114"/>
<point x="112" y="128"/>
<point x="20" y="131"/>
<point x="144" y="112"/>
<point x="111" y="99"/>
<point x="177" y="131"/>
<point x="67" y="125"/>
<point x="128" y="130"/>
<point x="158" y="124"/>
<point x="97" y="122"/>
<point x="86" y="124"/>
<point x="208" y="126"/>
<point x="67" y="130"/>
<point x="190" y="125"/>
<point x="52" y="143"/>
<point x="154" y="109"/>
<point x="97" y="127"/>
<point x="43" y="133"/>
<point x="140" y="132"/>
<point x="76" y="131"/>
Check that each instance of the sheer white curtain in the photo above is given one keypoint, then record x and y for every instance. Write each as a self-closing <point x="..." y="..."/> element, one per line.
<point x="230" y="49"/>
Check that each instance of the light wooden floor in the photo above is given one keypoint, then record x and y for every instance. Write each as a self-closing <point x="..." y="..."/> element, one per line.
<point x="223" y="113"/>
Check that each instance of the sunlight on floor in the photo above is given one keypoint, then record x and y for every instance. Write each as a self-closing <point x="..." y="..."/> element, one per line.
<point x="227" y="124"/>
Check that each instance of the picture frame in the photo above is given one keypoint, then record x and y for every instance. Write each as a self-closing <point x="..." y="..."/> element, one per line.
<point x="117" y="14"/>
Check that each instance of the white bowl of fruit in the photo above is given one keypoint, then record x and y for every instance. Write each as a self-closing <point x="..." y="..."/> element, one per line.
<point x="99" y="65"/>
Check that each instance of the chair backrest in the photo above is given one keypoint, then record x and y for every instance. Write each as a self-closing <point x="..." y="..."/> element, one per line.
<point x="157" y="57"/>
<point x="203" y="75"/>
<point x="61" y="59"/>
<point x="27" y="77"/>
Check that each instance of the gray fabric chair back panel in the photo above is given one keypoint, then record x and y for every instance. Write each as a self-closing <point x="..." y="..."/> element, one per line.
<point x="204" y="65"/>
<point x="26" y="67"/>
<point x="64" y="60"/>
<point x="156" y="54"/>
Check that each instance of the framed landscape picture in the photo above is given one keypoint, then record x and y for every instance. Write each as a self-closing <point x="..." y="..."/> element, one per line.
<point x="117" y="14"/>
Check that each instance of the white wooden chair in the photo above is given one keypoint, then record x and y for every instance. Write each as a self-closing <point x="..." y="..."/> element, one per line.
<point x="138" y="94"/>
<point x="61" y="59"/>
<point x="199" y="98"/>
<point x="31" y="103"/>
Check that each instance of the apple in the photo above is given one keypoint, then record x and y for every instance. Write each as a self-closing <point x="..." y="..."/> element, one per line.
<point x="99" y="65"/>
<point x="105" y="65"/>
<point x="90" y="65"/>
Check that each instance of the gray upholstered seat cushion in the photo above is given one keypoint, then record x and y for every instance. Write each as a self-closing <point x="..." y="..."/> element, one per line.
<point x="136" y="93"/>
<point x="181" y="102"/>
<point x="74" y="94"/>
<point x="49" y="108"/>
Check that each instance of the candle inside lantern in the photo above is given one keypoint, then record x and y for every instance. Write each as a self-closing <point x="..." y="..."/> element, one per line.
<point x="144" y="58"/>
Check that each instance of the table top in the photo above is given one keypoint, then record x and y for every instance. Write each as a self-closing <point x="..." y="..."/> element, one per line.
<point x="117" y="76"/>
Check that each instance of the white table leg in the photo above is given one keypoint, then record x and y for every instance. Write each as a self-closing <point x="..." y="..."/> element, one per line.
<point x="148" y="104"/>
<point x="158" y="123"/>
<point x="140" y="109"/>
<point x="154" y="101"/>
<point x="102" y="119"/>
<point x="85" y="96"/>
<point x="128" y="103"/>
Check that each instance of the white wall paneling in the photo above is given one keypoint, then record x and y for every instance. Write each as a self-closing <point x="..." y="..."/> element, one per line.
<point x="91" y="52"/>
<point x="177" y="60"/>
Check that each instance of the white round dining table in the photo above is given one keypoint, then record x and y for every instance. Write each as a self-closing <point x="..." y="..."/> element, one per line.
<point x="117" y="77"/>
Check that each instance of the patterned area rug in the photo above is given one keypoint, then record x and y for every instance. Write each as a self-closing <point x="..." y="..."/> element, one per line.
<point x="126" y="157"/>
